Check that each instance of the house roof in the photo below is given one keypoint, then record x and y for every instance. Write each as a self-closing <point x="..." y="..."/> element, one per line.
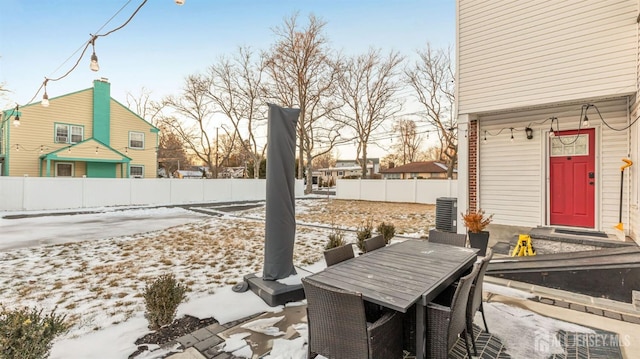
<point x="418" y="167"/>
<point x="89" y="150"/>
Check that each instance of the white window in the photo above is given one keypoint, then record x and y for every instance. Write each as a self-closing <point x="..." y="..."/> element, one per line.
<point x="64" y="169"/>
<point x="69" y="133"/>
<point x="136" y="171"/>
<point x="136" y="140"/>
<point x="570" y="145"/>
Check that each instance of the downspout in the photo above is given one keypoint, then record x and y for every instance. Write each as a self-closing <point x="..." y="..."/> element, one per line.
<point x="629" y="182"/>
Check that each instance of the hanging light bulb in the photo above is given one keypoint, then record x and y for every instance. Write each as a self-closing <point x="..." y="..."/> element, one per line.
<point x="45" y="97"/>
<point x="41" y="148"/>
<point x="485" y="137"/>
<point x="126" y="150"/>
<point x="17" y="147"/>
<point x="94" y="59"/>
<point x="585" y="121"/>
<point x="16" y="119"/>
<point x="511" y="134"/>
<point x="96" y="150"/>
<point x="551" y="133"/>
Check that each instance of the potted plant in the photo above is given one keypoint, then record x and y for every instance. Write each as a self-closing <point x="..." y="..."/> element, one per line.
<point x="476" y="221"/>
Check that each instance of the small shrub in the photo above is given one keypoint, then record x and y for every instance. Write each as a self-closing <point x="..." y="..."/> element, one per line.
<point x="476" y="221"/>
<point x="28" y="334"/>
<point x="364" y="232"/>
<point x="387" y="231"/>
<point x="162" y="298"/>
<point x="336" y="238"/>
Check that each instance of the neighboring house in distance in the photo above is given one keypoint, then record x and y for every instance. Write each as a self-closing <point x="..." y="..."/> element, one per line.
<point x="349" y="168"/>
<point x="425" y="169"/>
<point x="85" y="133"/>
<point x="538" y="67"/>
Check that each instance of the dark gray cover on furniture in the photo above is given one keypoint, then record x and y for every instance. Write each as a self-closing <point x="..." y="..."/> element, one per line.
<point x="280" y="221"/>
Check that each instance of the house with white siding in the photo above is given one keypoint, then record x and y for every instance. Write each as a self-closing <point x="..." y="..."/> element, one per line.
<point x="547" y="96"/>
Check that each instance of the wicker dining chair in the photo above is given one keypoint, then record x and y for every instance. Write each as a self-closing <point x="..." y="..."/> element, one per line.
<point x="475" y="298"/>
<point x="374" y="243"/>
<point x="338" y="327"/>
<point x="453" y="239"/>
<point x="338" y="254"/>
<point x="447" y="321"/>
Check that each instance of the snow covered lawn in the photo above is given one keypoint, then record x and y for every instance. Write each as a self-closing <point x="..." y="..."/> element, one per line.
<point x="98" y="280"/>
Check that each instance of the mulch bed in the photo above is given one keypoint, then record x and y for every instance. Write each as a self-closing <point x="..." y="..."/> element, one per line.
<point x="166" y="334"/>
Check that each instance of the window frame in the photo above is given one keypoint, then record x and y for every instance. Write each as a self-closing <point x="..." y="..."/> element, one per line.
<point x="65" y="163"/>
<point x="69" y="132"/>
<point x="131" y="175"/>
<point x="131" y="133"/>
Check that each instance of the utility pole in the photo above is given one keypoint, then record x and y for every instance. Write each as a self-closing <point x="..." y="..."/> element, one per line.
<point x="216" y="172"/>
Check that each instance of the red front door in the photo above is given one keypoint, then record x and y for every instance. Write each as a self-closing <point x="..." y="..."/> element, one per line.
<point x="572" y="178"/>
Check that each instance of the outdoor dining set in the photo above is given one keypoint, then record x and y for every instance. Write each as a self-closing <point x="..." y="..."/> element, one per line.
<point x="416" y="296"/>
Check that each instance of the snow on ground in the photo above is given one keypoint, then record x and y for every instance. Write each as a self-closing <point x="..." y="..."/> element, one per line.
<point x="93" y="268"/>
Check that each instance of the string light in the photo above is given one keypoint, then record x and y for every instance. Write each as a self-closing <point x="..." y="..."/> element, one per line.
<point x="551" y="133"/>
<point x="94" y="66"/>
<point x="585" y="120"/>
<point x="485" y="137"/>
<point x="511" y="134"/>
<point x="45" y="97"/>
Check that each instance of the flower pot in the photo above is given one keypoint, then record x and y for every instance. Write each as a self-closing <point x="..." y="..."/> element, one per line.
<point x="479" y="240"/>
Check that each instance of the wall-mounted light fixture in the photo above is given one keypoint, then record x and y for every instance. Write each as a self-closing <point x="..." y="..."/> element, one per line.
<point x="529" y="133"/>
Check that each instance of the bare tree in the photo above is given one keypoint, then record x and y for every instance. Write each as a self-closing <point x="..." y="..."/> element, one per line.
<point x="368" y="86"/>
<point x="432" y="79"/>
<point x="409" y="141"/>
<point x="144" y="106"/>
<point x="171" y="152"/>
<point x="193" y="114"/>
<point x="303" y="74"/>
<point x="235" y="89"/>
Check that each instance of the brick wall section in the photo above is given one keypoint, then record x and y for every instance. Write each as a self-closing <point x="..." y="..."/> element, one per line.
<point x="473" y="164"/>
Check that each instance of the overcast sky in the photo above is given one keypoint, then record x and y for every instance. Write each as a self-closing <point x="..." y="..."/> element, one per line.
<point x="165" y="42"/>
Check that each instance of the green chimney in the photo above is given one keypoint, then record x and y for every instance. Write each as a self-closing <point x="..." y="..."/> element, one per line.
<point x="102" y="110"/>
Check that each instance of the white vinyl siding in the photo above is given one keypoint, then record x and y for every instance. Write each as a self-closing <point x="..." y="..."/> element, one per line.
<point x="521" y="53"/>
<point x="513" y="175"/>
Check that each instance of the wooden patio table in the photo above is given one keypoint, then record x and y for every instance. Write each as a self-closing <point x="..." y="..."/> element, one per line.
<point x="401" y="275"/>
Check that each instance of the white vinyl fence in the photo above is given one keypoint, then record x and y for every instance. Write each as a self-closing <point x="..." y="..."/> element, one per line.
<point x="396" y="190"/>
<point x="45" y="193"/>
